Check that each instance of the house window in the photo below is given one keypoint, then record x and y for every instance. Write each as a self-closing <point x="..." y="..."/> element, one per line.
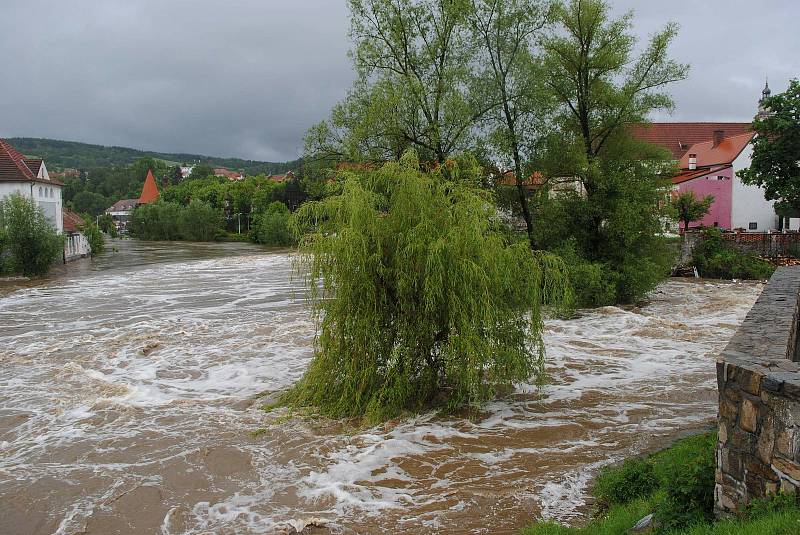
<point x="40" y="191"/>
<point x="753" y="226"/>
<point x="720" y="177"/>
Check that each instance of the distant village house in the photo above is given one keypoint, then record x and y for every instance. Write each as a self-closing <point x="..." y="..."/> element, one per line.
<point x="121" y="211"/>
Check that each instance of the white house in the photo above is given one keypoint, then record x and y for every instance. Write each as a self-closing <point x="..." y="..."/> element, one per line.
<point x="29" y="178"/>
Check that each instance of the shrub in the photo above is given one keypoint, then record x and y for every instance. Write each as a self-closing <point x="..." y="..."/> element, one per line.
<point x="199" y="221"/>
<point x="156" y="221"/>
<point x="593" y="283"/>
<point x="30" y="238"/>
<point x="106" y="224"/>
<point x="717" y="259"/>
<point x="689" y="494"/>
<point x="619" y="485"/>
<point x="420" y="298"/>
<point x="93" y="235"/>
<point x="272" y="227"/>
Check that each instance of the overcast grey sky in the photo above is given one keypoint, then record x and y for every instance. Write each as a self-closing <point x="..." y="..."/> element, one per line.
<point x="246" y="78"/>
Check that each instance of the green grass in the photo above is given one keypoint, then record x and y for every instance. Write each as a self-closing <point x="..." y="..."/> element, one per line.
<point x="677" y="485"/>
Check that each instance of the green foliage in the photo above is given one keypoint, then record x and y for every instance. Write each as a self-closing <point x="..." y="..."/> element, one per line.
<point x="33" y="243"/>
<point x="618" y="485"/>
<point x="688" y="207"/>
<point x="776" y="148"/>
<point x="272" y="227"/>
<point x="419" y="296"/>
<point x="157" y="221"/>
<point x="602" y="87"/>
<point x="594" y="283"/>
<point x="717" y="259"/>
<point x="73" y="155"/>
<point x="93" y="234"/>
<point x="613" y="241"/>
<point x="689" y="490"/>
<point x="414" y="87"/>
<point x="106" y="224"/>
<point x="619" y="519"/>
<point x="88" y="202"/>
<point x="677" y="484"/>
<point x="201" y="171"/>
<point x="169" y="221"/>
<point x="199" y="221"/>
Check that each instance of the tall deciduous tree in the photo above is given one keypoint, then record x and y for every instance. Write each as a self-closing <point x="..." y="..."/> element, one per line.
<point x="414" y="89"/>
<point x="506" y="31"/>
<point x="603" y="88"/>
<point x="776" y="149"/>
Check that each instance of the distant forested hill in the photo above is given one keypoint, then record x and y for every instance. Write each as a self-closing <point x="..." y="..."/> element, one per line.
<point x="83" y="156"/>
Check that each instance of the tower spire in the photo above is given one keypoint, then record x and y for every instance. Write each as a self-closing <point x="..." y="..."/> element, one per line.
<point x="763" y="111"/>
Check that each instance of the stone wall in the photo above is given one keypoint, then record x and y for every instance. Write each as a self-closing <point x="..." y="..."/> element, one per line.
<point x="758" y="450"/>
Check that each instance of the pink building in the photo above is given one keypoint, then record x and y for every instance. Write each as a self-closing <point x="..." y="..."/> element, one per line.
<point x="710" y="157"/>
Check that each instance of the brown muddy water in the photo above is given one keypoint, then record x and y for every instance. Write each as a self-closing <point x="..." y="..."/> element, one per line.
<point x="127" y="389"/>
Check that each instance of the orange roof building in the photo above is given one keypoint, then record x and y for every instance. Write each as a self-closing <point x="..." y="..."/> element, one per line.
<point x="150" y="190"/>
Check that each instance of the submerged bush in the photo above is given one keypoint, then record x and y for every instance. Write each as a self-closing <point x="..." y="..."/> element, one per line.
<point x="93" y="235"/>
<point x="717" y="259"/>
<point x="31" y="243"/>
<point x="421" y="299"/>
<point x="272" y="227"/>
<point x="199" y="221"/>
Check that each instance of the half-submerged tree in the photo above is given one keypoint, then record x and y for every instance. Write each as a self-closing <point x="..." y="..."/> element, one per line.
<point x="689" y="208"/>
<point x="611" y="220"/>
<point x="775" y="166"/>
<point x="418" y="296"/>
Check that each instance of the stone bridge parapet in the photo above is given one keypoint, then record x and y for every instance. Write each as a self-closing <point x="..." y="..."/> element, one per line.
<point x="758" y="448"/>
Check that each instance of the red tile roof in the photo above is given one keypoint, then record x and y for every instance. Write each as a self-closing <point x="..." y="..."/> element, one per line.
<point x="535" y="180"/>
<point x="679" y="137"/>
<point x="686" y="176"/>
<point x="14" y="166"/>
<point x="709" y="155"/>
<point x="149" y="190"/>
<point x="72" y="221"/>
<point x="125" y="205"/>
<point x="282" y="178"/>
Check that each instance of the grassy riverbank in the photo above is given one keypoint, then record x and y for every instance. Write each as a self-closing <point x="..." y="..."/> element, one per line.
<point x="677" y="486"/>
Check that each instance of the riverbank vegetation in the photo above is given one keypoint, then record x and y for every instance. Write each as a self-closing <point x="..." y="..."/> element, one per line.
<point x="213" y="208"/>
<point x="422" y="298"/>
<point x="715" y="258"/>
<point x="676" y="485"/>
<point x="29" y="245"/>
<point x="543" y="94"/>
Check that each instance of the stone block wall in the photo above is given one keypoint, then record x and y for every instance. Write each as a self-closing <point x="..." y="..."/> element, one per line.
<point x="758" y="449"/>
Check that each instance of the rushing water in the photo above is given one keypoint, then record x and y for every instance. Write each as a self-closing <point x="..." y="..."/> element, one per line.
<point x="127" y="405"/>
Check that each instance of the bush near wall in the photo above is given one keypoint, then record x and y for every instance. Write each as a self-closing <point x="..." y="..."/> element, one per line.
<point x="717" y="258"/>
<point x="30" y="245"/>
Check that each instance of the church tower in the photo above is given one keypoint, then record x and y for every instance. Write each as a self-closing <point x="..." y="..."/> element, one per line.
<point x="763" y="111"/>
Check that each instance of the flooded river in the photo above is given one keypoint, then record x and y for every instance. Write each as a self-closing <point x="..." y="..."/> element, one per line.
<point x="127" y="389"/>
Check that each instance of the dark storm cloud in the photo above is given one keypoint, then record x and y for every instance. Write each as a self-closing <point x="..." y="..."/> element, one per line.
<point x="248" y="77"/>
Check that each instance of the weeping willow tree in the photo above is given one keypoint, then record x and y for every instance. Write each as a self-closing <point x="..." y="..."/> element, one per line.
<point x="422" y="300"/>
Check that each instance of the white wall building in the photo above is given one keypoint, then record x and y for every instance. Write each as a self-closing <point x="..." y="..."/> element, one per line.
<point x="29" y="178"/>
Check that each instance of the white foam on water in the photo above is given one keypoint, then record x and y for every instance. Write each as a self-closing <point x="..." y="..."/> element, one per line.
<point x="109" y="378"/>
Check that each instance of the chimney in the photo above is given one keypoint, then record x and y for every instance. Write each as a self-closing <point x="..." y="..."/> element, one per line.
<point x="692" y="162"/>
<point x="719" y="135"/>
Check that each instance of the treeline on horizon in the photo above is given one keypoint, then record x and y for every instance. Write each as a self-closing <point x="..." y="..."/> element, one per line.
<point x="59" y="155"/>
